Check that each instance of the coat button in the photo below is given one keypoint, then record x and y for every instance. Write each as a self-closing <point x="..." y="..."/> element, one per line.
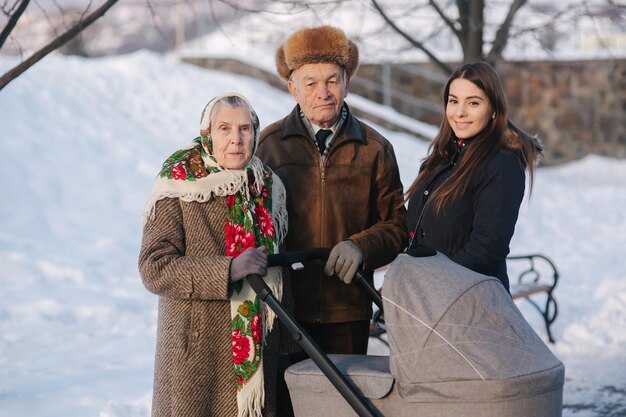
<point x="425" y="192"/>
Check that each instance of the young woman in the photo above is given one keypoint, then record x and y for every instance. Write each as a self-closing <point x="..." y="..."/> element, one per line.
<point x="466" y="198"/>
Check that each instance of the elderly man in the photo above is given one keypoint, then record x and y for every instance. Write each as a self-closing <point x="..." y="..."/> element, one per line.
<point x="343" y="188"/>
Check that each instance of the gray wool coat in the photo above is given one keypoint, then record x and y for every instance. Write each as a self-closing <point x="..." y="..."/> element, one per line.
<point x="182" y="260"/>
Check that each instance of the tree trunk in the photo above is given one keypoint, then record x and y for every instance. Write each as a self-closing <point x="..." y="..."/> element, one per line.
<point x="472" y="24"/>
<point x="56" y="43"/>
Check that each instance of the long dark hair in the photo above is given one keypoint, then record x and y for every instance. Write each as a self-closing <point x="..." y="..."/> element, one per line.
<point x="500" y="133"/>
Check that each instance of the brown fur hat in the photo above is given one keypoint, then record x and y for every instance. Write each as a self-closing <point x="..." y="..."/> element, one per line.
<point x="314" y="45"/>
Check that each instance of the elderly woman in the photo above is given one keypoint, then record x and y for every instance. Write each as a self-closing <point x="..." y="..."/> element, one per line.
<point x="214" y="214"/>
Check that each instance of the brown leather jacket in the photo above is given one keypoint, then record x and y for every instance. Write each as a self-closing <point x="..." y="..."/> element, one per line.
<point x="354" y="193"/>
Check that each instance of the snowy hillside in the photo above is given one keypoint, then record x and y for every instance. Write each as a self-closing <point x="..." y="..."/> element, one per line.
<point x="81" y="141"/>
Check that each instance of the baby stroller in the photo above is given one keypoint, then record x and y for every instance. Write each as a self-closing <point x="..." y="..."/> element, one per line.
<point x="458" y="346"/>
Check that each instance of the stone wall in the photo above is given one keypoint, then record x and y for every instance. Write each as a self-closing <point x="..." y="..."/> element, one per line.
<point x="575" y="108"/>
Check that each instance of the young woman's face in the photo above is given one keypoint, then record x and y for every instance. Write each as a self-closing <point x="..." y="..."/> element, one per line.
<point x="233" y="136"/>
<point x="468" y="109"/>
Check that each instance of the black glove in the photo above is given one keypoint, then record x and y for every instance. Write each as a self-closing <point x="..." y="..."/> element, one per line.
<point x="251" y="261"/>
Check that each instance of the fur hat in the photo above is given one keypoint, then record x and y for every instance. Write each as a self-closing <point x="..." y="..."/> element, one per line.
<point x="314" y="45"/>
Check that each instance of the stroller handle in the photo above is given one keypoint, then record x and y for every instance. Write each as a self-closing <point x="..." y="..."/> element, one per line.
<point x="321" y="254"/>
<point x="369" y="289"/>
<point x="289" y="258"/>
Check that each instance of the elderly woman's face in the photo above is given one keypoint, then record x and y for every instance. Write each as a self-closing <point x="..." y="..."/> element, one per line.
<point x="233" y="136"/>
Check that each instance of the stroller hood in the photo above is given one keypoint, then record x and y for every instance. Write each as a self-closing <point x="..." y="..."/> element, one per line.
<point x="455" y="335"/>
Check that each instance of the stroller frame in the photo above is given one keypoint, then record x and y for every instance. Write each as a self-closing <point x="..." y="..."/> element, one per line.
<point x="306" y="342"/>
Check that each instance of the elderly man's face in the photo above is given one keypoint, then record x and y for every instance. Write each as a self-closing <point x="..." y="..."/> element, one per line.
<point x="319" y="89"/>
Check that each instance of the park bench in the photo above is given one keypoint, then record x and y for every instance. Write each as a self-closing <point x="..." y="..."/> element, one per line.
<point x="536" y="280"/>
<point x="532" y="281"/>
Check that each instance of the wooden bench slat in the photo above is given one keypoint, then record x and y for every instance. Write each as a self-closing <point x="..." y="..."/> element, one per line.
<point x="524" y="290"/>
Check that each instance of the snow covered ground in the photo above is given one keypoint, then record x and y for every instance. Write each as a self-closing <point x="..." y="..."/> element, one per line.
<point x="81" y="141"/>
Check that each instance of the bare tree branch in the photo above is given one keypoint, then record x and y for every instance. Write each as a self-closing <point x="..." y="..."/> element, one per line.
<point x="593" y="17"/>
<point x="217" y="21"/>
<point x="155" y="20"/>
<point x="444" y="67"/>
<point x="56" y="43"/>
<point x="554" y="18"/>
<point x="445" y="18"/>
<point x="295" y="4"/>
<point x="12" y="22"/>
<point x="82" y="15"/>
<point x="62" y="12"/>
<point x="9" y="11"/>
<point x="502" y="35"/>
<point x="46" y="15"/>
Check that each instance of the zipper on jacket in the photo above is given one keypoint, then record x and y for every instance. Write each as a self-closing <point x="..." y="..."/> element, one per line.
<point x="322" y="233"/>
<point x="428" y="190"/>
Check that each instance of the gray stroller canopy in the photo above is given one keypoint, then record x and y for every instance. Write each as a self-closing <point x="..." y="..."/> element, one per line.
<point x="456" y="334"/>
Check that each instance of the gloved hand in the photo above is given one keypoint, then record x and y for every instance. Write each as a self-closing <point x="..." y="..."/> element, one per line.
<point x="344" y="260"/>
<point x="251" y="261"/>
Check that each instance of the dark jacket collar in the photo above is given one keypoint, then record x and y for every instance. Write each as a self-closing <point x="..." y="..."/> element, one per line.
<point x="351" y="129"/>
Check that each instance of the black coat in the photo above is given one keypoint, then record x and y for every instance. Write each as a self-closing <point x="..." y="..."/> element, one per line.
<point x="475" y="229"/>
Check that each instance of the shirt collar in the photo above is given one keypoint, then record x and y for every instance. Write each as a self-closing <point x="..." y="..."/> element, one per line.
<point x="313" y="128"/>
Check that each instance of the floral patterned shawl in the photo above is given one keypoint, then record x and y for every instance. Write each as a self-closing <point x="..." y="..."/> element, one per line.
<point x="256" y="216"/>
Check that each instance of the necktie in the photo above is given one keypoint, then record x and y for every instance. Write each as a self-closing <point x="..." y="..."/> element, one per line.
<point x="321" y="136"/>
